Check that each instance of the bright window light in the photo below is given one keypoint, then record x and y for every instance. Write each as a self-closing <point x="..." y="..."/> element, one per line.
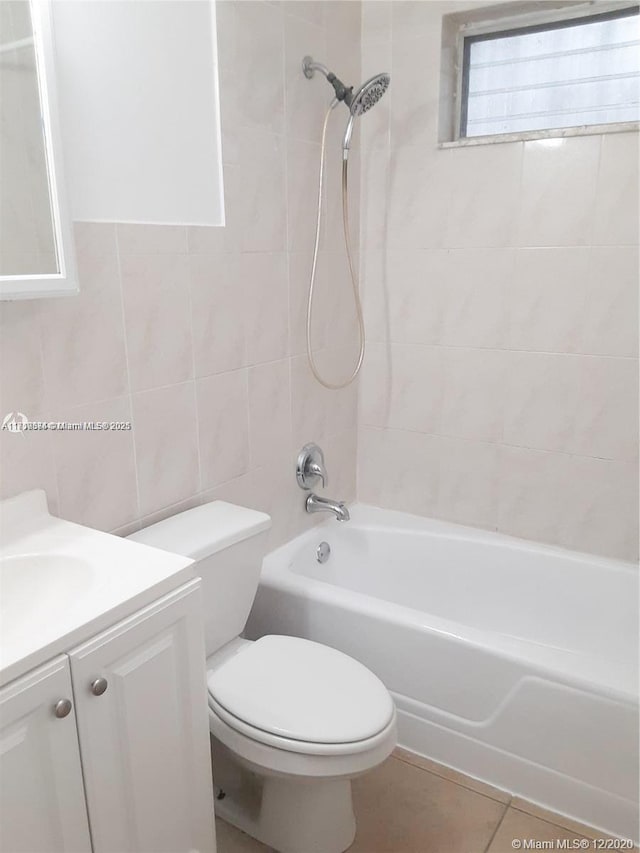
<point x="570" y="73"/>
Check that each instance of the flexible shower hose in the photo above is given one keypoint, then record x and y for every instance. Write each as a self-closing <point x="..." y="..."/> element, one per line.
<point x="334" y="386"/>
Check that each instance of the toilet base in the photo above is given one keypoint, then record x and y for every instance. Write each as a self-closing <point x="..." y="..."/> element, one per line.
<point x="286" y="813"/>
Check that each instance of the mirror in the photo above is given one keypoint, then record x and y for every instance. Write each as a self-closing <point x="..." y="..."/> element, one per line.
<point x="36" y="250"/>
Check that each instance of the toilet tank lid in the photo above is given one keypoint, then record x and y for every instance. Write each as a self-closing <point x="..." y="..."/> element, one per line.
<point x="204" y="530"/>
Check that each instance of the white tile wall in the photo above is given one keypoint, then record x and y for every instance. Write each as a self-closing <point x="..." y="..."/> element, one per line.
<point x="500" y="288"/>
<point x="501" y="295"/>
<point x="195" y="334"/>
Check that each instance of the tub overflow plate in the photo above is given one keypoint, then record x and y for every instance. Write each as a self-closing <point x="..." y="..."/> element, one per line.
<point x="323" y="552"/>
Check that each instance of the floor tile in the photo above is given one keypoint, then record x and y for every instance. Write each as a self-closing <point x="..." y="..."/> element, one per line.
<point x="403" y="809"/>
<point x="231" y="840"/>
<point x="559" y="820"/>
<point x="452" y="775"/>
<point x="411" y="804"/>
<point x="519" y="826"/>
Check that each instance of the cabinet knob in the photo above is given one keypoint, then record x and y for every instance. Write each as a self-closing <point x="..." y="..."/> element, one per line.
<point x="62" y="708"/>
<point x="99" y="686"/>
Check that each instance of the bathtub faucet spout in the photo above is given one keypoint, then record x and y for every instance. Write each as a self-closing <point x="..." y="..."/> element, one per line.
<point x="315" y="503"/>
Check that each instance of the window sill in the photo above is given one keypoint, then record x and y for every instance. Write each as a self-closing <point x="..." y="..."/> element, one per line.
<point x="554" y="133"/>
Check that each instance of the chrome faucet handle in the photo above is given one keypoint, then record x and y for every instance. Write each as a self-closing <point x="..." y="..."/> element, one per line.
<point x="310" y="467"/>
<point x="318" y="471"/>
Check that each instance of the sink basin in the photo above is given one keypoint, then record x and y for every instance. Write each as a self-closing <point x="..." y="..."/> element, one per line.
<point x="62" y="583"/>
<point x="33" y="587"/>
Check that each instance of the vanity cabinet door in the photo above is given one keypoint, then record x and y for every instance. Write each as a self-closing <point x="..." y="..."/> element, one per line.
<point x="143" y="726"/>
<point x="41" y="795"/>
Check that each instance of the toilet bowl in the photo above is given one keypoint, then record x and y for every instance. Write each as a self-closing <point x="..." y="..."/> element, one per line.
<point x="292" y="721"/>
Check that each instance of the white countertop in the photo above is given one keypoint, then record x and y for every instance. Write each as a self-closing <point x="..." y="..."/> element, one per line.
<point x="62" y="583"/>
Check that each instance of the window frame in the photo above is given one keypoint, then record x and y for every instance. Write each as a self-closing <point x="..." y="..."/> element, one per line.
<point x="522" y="24"/>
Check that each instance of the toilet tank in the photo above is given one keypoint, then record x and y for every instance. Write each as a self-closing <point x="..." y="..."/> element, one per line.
<point x="228" y="543"/>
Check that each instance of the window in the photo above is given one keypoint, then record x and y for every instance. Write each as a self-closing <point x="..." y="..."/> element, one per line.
<point x="569" y="73"/>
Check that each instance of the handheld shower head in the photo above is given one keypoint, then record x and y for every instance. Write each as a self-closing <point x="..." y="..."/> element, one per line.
<point x="369" y="94"/>
<point x="359" y="103"/>
<point x="366" y="97"/>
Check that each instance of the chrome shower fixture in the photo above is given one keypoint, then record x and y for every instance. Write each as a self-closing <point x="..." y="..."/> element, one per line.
<point x="359" y="102"/>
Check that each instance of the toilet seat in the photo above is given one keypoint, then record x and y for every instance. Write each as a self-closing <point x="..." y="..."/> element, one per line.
<point x="302" y="747"/>
<point x="297" y="758"/>
<point x="300" y="696"/>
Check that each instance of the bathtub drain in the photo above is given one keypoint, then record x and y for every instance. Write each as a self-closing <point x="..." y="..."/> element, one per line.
<point x="323" y="552"/>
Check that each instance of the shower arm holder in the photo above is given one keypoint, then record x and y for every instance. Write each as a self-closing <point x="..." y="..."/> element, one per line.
<point x="343" y="93"/>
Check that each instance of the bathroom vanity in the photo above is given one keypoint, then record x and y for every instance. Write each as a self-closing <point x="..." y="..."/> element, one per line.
<point x="104" y="736"/>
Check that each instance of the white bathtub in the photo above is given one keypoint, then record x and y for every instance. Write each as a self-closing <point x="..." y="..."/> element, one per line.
<point x="514" y="662"/>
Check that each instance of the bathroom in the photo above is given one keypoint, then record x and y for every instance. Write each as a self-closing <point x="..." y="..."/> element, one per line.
<point x="451" y="534"/>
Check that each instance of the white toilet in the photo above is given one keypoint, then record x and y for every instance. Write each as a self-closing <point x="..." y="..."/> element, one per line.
<point x="292" y="721"/>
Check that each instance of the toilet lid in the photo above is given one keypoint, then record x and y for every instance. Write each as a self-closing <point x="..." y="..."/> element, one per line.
<point x="302" y="690"/>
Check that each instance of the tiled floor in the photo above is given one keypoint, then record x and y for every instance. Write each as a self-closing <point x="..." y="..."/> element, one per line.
<point x="412" y="805"/>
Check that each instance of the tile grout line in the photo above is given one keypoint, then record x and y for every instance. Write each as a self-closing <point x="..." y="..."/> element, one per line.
<point x="459" y="784"/>
<point x="129" y="392"/>
<point x="554" y="819"/>
<point x="196" y="406"/>
<point x="498" y="825"/>
<point x="51" y="454"/>
<point x="496" y="444"/>
<point x="568" y="824"/>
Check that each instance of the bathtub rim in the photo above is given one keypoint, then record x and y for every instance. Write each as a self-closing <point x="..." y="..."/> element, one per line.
<point x="277" y="572"/>
<point x="369" y="517"/>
